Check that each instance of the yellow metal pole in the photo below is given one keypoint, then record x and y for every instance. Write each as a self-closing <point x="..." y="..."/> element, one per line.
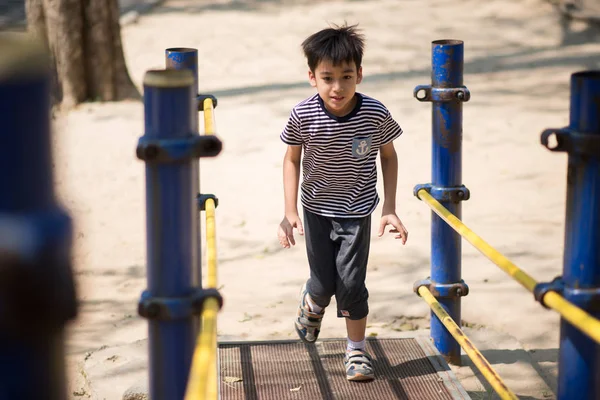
<point x="203" y="383"/>
<point x="571" y="313"/>
<point x="575" y="315"/>
<point x="211" y="245"/>
<point x="480" y="362"/>
<point x="211" y="263"/>
<point x="494" y="255"/>
<point x="209" y="117"/>
<point x="201" y="378"/>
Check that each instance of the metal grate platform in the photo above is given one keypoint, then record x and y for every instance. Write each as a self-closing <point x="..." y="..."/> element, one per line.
<point x="405" y="368"/>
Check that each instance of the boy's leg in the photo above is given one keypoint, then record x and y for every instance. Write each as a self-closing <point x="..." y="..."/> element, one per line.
<point x="353" y="237"/>
<point x="352" y="295"/>
<point x="320" y="287"/>
<point x="356" y="329"/>
<point x="321" y="252"/>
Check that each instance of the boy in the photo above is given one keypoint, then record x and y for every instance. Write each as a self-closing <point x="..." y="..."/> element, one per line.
<point x="341" y="132"/>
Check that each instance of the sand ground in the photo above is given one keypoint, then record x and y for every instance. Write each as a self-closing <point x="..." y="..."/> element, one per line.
<point x="518" y="61"/>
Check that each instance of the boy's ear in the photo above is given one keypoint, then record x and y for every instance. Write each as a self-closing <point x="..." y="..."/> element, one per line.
<point x="359" y="75"/>
<point x="312" y="79"/>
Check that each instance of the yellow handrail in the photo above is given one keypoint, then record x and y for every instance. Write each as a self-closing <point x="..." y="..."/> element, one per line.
<point x="203" y="382"/>
<point x="480" y="362"/>
<point x="571" y="313"/>
<point x="209" y="117"/>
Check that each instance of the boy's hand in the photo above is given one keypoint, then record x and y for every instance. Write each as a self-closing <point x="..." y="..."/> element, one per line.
<point x="285" y="233"/>
<point x="398" y="227"/>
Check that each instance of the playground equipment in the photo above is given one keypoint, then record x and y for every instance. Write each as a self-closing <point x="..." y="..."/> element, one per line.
<point x="575" y="295"/>
<point x="35" y="241"/>
<point x="170" y="148"/>
<point x="37" y="294"/>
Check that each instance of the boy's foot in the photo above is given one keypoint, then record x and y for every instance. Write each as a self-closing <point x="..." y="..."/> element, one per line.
<point x="307" y="323"/>
<point x="359" y="366"/>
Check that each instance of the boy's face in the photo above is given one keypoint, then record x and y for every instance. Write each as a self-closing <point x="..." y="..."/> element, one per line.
<point x="336" y="85"/>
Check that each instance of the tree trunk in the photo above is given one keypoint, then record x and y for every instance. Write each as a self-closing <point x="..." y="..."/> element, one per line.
<point x="84" y="41"/>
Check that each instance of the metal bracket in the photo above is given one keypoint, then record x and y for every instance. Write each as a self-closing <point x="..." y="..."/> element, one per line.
<point x="36" y="276"/>
<point x="448" y="194"/>
<point x="457" y="289"/>
<point x="172" y="308"/>
<point x="572" y="142"/>
<point x="201" y="198"/>
<point x="587" y="299"/>
<point x="440" y="95"/>
<point x="202" y="97"/>
<point x="177" y="150"/>
<point x="556" y="285"/>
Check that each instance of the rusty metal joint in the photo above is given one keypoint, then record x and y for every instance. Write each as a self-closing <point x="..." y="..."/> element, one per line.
<point x="201" y="199"/>
<point x="585" y="298"/>
<point x="446" y="290"/>
<point x="571" y="141"/>
<point x="556" y="285"/>
<point x="441" y="95"/>
<point x="166" y="151"/>
<point x="454" y="194"/>
<point x="175" y="308"/>
<point x="202" y="97"/>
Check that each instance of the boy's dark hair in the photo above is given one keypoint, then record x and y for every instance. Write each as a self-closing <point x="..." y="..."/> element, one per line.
<point x="336" y="44"/>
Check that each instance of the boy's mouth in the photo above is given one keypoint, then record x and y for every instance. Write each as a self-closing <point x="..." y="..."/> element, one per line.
<point x="337" y="98"/>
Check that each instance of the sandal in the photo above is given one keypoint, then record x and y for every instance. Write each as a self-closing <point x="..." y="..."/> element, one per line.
<point x="359" y="366"/>
<point x="307" y="323"/>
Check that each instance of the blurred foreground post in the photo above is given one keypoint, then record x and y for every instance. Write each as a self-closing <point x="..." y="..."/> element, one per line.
<point x="579" y="355"/>
<point x="37" y="295"/>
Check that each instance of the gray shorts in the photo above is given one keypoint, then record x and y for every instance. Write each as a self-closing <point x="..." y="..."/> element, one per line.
<point x="338" y="252"/>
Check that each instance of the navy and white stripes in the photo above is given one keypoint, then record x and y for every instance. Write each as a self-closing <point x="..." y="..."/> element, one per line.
<point x="339" y="160"/>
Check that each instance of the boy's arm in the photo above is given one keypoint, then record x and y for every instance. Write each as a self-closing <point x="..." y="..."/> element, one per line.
<point x="389" y="168"/>
<point x="291" y="180"/>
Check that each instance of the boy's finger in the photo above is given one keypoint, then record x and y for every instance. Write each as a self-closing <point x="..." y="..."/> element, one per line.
<point x="381" y="228"/>
<point x="291" y="239"/>
<point x="404" y="234"/>
<point x="300" y="228"/>
<point x="284" y="242"/>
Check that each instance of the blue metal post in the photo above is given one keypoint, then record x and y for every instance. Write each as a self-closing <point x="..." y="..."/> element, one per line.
<point x="172" y="224"/>
<point x="37" y="293"/>
<point x="447" y="72"/>
<point x="579" y="357"/>
<point x="184" y="58"/>
<point x="447" y="94"/>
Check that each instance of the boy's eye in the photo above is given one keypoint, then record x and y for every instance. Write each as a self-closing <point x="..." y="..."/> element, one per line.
<point x="326" y="78"/>
<point x="348" y="77"/>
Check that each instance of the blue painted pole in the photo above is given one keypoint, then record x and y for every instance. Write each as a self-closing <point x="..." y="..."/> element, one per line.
<point x="184" y="58"/>
<point x="37" y="293"/>
<point x="579" y="357"/>
<point x="172" y="223"/>
<point x="447" y="72"/>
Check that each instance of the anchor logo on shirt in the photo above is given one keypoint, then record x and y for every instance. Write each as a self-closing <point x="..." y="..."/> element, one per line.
<point x="361" y="146"/>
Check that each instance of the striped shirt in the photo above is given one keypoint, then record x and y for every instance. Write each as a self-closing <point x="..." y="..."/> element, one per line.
<point x="339" y="161"/>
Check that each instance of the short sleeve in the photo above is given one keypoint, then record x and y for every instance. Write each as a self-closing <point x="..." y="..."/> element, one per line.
<point x="291" y="132"/>
<point x="389" y="129"/>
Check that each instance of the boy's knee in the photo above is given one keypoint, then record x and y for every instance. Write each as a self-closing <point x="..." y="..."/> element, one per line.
<point x="319" y="293"/>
